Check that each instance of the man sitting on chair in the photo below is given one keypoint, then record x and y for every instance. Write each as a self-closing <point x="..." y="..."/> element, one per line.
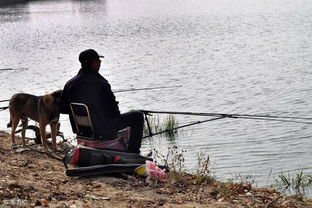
<point x="92" y="89"/>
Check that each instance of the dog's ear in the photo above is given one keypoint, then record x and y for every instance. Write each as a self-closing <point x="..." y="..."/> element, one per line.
<point x="57" y="94"/>
<point x="52" y="99"/>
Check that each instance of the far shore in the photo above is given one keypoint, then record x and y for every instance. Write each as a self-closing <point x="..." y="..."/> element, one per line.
<point x="10" y="2"/>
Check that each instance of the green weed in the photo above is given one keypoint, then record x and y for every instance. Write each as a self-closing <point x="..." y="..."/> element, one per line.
<point x="202" y="172"/>
<point x="174" y="160"/>
<point x="299" y="183"/>
<point x="158" y="125"/>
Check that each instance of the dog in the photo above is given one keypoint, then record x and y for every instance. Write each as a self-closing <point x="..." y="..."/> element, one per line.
<point x="43" y="109"/>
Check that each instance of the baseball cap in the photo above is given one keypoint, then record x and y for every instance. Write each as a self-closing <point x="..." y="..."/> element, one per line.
<point x="89" y="55"/>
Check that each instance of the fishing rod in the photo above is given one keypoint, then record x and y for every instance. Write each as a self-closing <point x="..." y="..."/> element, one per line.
<point x="4" y="101"/>
<point x="244" y="116"/>
<point x="11" y="69"/>
<point x="275" y="119"/>
<point x="218" y="116"/>
<point x="147" y="88"/>
<point x="133" y="89"/>
<point x="4" y="108"/>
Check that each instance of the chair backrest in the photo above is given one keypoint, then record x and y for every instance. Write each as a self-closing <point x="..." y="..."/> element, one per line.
<point x="82" y="119"/>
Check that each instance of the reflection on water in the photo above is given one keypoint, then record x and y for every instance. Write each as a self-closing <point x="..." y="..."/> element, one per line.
<point x="14" y="13"/>
<point x="242" y="56"/>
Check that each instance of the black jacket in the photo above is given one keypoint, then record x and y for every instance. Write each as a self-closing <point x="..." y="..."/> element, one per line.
<point x="93" y="90"/>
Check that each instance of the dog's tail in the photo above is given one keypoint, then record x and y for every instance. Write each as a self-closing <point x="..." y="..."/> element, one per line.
<point x="10" y="124"/>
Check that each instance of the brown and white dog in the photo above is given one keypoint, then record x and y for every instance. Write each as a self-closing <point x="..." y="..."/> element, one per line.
<point x="43" y="109"/>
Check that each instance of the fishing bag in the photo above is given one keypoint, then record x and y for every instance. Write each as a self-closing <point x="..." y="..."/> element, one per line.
<point x="82" y="161"/>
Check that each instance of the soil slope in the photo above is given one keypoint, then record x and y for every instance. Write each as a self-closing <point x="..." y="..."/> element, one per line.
<point x="32" y="178"/>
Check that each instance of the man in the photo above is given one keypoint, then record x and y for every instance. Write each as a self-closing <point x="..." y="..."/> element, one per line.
<point x="92" y="89"/>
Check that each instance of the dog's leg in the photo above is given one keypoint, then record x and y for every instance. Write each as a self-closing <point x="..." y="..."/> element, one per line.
<point x="43" y="135"/>
<point x="15" y="121"/>
<point x="24" y="124"/>
<point x="54" y="129"/>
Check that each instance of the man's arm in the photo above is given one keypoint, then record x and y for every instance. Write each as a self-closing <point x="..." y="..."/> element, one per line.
<point x="110" y="100"/>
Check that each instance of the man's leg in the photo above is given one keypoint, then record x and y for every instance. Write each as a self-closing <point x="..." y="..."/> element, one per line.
<point x="135" y="120"/>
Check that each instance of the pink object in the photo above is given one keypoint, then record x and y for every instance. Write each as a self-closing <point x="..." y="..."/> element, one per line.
<point x="116" y="144"/>
<point x="154" y="172"/>
<point x="120" y="143"/>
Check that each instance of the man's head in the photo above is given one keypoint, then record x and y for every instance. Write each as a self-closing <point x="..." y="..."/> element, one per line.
<point x="90" y="59"/>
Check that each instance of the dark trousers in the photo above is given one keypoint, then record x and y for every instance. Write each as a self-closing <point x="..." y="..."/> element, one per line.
<point x="135" y="120"/>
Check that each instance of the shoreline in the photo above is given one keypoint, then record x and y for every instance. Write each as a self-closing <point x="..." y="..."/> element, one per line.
<point x="12" y="2"/>
<point x="32" y="178"/>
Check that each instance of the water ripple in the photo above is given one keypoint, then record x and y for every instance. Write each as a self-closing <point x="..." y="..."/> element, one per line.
<point x="231" y="57"/>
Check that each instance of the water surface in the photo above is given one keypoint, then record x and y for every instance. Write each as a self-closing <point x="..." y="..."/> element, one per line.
<point x="242" y="56"/>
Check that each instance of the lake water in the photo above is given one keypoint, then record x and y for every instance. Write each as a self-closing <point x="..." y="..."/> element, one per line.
<point x="230" y="56"/>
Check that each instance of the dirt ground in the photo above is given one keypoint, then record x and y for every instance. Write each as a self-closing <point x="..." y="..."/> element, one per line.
<point x="32" y="178"/>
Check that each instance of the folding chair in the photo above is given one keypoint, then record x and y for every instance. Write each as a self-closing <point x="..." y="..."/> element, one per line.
<point x="85" y="135"/>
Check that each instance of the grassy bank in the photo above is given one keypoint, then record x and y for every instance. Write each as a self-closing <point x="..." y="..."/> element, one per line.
<point x="32" y="178"/>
